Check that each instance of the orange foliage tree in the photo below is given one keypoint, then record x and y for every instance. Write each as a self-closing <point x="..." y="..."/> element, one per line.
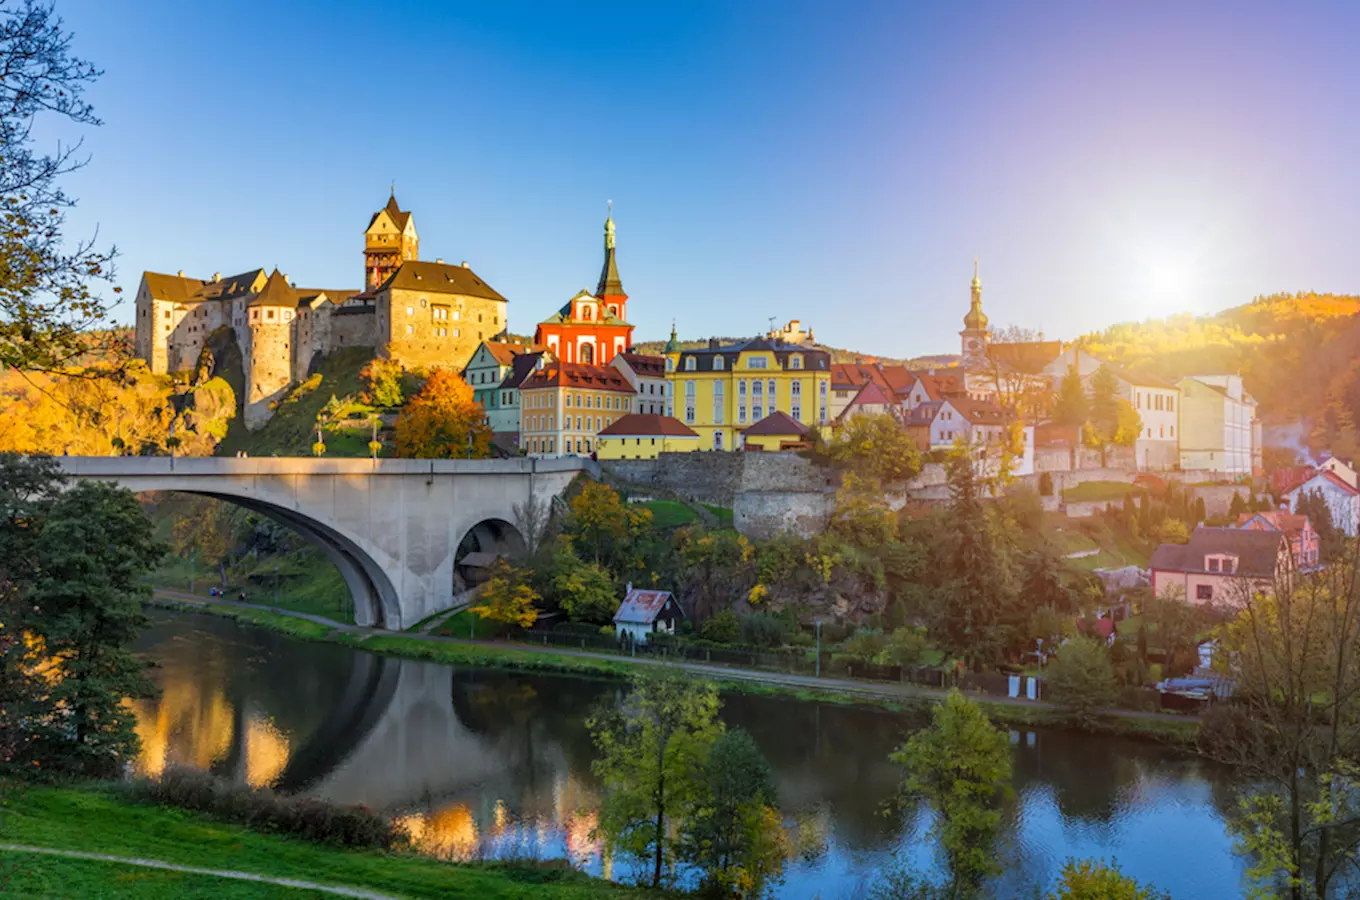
<point x="443" y="422"/>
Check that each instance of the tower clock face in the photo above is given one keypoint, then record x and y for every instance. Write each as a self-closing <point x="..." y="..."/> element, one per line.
<point x="972" y="344"/>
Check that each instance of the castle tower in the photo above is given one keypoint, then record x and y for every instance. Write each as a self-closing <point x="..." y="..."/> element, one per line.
<point x="389" y="241"/>
<point x="974" y="335"/>
<point x="610" y="288"/>
<point x="268" y="359"/>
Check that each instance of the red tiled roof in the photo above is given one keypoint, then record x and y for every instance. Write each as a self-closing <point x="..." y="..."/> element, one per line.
<point x="870" y="395"/>
<point x="980" y="412"/>
<point x="1289" y="523"/>
<point x="776" y="423"/>
<point x="504" y="352"/>
<point x="939" y="386"/>
<point x="641" y="363"/>
<point x="649" y="425"/>
<point x="578" y="375"/>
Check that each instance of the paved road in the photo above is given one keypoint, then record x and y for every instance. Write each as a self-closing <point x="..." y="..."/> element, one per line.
<point x="729" y="673"/>
<point x="338" y="890"/>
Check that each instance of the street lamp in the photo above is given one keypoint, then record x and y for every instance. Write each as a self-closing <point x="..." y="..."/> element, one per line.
<point x="276" y="586"/>
<point x="818" y="623"/>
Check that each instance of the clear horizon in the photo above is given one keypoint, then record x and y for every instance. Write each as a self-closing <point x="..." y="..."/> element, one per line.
<point x="1106" y="164"/>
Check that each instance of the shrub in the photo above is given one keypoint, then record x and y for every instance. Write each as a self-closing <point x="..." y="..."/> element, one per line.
<point x="906" y="646"/>
<point x="865" y="644"/>
<point x="764" y="630"/>
<point x="265" y="811"/>
<point x="1082" y="679"/>
<point x="722" y="628"/>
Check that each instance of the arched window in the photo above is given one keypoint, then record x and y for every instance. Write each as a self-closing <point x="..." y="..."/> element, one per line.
<point x="587" y="353"/>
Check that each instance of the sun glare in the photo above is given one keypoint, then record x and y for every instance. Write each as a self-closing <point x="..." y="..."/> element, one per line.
<point x="1169" y="288"/>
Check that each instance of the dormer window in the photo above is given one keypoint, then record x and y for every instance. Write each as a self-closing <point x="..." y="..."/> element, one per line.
<point x="795" y="362"/>
<point x="717" y="362"/>
<point x="689" y="364"/>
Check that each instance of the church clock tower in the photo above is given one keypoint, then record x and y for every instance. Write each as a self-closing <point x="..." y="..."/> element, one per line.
<point x="974" y="335"/>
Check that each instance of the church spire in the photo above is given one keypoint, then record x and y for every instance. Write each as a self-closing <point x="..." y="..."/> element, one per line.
<point x="610" y="284"/>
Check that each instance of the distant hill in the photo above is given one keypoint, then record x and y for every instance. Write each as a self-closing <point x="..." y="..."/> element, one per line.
<point x="838" y="355"/>
<point x="1299" y="355"/>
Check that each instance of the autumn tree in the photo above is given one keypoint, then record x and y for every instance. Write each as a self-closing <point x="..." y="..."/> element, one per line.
<point x="650" y="751"/>
<point x="443" y="422"/>
<point x="49" y="309"/>
<point x="1292" y="732"/>
<point x="605" y="529"/>
<point x="584" y="590"/>
<point x="961" y="768"/>
<point x="95" y="548"/>
<point x="1113" y="420"/>
<point x="381" y="381"/>
<point x="873" y="446"/>
<point x="506" y="600"/>
<point x="1088" y="880"/>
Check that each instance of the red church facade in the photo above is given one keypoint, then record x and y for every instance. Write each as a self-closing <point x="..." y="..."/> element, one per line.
<point x="591" y="329"/>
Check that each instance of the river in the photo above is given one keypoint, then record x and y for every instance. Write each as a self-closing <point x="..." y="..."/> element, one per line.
<point x="481" y="763"/>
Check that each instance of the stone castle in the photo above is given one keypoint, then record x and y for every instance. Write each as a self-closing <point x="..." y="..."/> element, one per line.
<point x="421" y="314"/>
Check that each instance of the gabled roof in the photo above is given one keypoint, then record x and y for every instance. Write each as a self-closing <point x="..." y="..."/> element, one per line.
<point x="439" y="278"/>
<point x="649" y="425"/>
<point x="521" y="367"/>
<point x="504" y="352"/>
<point x="923" y="414"/>
<point x="309" y="296"/>
<point x="870" y="395"/>
<point x="399" y="217"/>
<point x="577" y="375"/>
<point x="277" y="292"/>
<point x="939" y="385"/>
<point x="1326" y="475"/>
<point x="642" y="364"/>
<point x="1138" y="380"/>
<point x="777" y="423"/>
<point x="980" y="412"/>
<point x="1257" y="552"/>
<point x="642" y="607"/>
<point x="563" y="315"/>
<point x="234" y="286"/>
<point x="1277" y="520"/>
<point x="172" y="288"/>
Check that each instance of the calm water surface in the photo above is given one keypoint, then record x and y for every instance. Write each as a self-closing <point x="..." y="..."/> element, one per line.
<point x="482" y="763"/>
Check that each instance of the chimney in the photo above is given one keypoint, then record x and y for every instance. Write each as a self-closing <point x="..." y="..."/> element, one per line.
<point x="217" y="276"/>
<point x="439" y="260"/>
<point x="713" y="343"/>
<point x="180" y="273"/>
<point x="465" y="265"/>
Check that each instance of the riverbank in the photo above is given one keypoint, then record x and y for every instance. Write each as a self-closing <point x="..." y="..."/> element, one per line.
<point x="1011" y="712"/>
<point x="97" y="820"/>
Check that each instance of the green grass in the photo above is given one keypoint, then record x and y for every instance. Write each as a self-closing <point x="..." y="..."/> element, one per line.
<point x="507" y="657"/>
<point x="39" y="875"/>
<point x="1098" y="491"/>
<point x="291" y="431"/>
<point x="723" y="514"/>
<point x="467" y="624"/>
<point x="670" y="513"/>
<point x="300" y="628"/>
<point x="102" y="821"/>
<point x="307" y="582"/>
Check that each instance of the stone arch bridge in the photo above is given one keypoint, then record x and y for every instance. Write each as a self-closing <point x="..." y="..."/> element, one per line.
<point x="395" y="528"/>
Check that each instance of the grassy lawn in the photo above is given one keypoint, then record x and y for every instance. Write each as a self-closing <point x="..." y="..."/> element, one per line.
<point x="301" y="628"/>
<point x="1100" y="491"/>
<point x="723" y="514"/>
<point x="39" y="875"/>
<point x="506" y="657"/>
<point x="467" y="624"/>
<point x="100" y="821"/>
<point x="307" y="582"/>
<point x="670" y="513"/>
<point x="1073" y="541"/>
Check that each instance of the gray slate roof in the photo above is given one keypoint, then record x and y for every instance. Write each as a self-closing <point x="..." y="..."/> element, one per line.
<point x="1257" y="552"/>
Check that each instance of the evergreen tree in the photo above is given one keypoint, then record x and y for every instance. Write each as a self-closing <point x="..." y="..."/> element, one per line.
<point x="1081" y="679"/>
<point x="96" y="547"/>
<point x="1072" y="407"/>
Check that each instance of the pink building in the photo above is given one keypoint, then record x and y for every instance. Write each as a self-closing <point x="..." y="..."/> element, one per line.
<point x="1219" y="563"/>
<point x="1297" y="529"/>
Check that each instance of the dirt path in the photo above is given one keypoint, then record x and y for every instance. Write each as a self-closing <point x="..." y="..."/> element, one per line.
<point x="838" y="685"/>
<point x="337" y="890"/>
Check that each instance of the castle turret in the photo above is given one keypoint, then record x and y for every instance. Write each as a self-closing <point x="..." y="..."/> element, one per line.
<point x="268" y="362"/>
<point x="389" y="241"/>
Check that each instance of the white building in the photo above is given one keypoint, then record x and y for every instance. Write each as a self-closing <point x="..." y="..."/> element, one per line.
<point x="984" y="427"/>
<point x="1217" y="425"/>
<point x="647" y="375"/>
<point x="1157" y="403"/>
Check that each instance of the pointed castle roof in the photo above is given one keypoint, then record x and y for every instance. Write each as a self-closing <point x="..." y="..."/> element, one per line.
<point x="399" y="216"/>
<point x="277" y="292"/>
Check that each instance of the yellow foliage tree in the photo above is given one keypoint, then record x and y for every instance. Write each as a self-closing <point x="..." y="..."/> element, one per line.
<point x="506" y="599"/>
<point x="443" y="422"/>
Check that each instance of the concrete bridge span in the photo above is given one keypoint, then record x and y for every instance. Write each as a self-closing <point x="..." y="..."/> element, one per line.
<point x="393" y="527"/>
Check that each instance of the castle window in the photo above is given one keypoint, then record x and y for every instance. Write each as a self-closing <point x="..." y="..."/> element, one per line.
<point x="410" y="329"/>
<point x="795" y="362"/>
<point x="689" y="362"/>
<point x="756" y="362"/>
<point x="410" y="310"/>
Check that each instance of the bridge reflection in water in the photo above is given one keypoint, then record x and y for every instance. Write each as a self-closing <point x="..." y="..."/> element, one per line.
<point x="484" y="764"/>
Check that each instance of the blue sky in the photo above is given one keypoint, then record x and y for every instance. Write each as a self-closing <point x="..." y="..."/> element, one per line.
<point x="841" y="163"/>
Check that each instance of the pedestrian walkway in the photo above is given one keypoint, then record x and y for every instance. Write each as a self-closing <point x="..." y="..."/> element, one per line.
<point x="868" y="689"/>
<point x="337" y="890"/>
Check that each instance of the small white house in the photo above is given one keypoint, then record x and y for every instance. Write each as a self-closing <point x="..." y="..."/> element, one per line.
<point x="646" y="612"/>
<point x="1342" y="499"/>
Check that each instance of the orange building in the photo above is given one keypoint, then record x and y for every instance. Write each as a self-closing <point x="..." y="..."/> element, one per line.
<point x="591" y="328"/>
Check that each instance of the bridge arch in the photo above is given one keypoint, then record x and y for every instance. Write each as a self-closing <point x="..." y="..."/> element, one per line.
<point x="478" y="547"/>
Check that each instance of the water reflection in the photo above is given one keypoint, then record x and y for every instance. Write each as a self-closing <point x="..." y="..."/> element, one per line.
<point x="480" y="764"/>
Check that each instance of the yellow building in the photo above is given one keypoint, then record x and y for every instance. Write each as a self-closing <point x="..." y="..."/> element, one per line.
<point x="721" y="390"/>
<point x="777" y="431"/>
<point x="644" y="436"/>
<point x="563" y="406"/>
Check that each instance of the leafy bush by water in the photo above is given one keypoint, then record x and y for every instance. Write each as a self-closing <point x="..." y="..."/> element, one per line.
<point x="265" y="811"/>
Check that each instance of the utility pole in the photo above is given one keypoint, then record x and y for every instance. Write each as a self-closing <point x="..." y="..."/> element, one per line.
<point x="819" y="648"/>
<point x="276" y="586"/>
